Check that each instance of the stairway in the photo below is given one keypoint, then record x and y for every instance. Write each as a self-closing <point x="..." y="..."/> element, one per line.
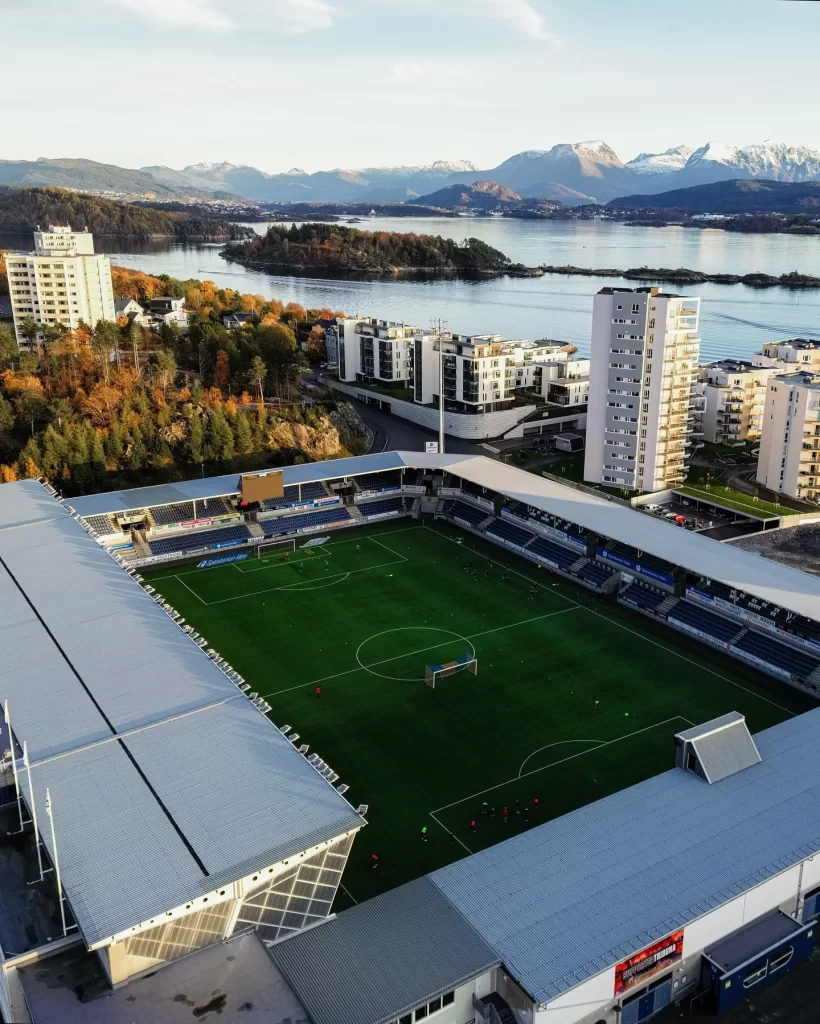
<point x="485" y="522"/>
<point x="739" y="636"/>
<point x="503" y="1014"/>
<point x="667" y="605"/>
<point x="354" y="512"/>
<point x="814" y="678"/>
<point x="579" y="564"/>
<point x="415" y="511"/>
<point x="256" y="529"/>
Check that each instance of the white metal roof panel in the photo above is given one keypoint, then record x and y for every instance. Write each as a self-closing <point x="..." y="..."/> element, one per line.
<point x="573" y="897"/>
<point x="166" y="782"/>
<point x="216" y="486"/>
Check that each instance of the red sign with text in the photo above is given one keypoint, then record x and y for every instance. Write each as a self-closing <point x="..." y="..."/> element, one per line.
<point x="649" y="962"/>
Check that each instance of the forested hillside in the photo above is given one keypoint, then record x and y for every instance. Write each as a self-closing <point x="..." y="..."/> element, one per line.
<point x="22" y="209"/>
<point x="347" y="250"/>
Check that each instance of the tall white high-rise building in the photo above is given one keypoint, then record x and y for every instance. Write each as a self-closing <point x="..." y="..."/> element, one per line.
<point x="62" y="282"/>
<point x="789" y="460"/>
<point x="644" y="360"/>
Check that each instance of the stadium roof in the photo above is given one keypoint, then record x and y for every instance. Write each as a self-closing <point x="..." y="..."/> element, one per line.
<point x="383" y="958"/>
<point x="571" y="898"/>
<point x="217" y="486"/>
<point x="165" y="781"/>
<point x="769" y="581"/>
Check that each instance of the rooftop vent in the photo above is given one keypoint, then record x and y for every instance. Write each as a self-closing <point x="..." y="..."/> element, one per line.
<point x="716" y="749"/>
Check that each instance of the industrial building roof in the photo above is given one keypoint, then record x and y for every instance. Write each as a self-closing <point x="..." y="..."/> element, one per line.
<point x="383" y="958"/>
<point x="165" y="781"/>
<point x="767" y="580"/>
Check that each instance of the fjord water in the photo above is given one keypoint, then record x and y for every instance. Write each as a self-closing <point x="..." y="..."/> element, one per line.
<point x="735" y="319"/>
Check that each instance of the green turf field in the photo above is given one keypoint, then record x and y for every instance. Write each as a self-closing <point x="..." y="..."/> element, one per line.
<point x="362" y="616"/>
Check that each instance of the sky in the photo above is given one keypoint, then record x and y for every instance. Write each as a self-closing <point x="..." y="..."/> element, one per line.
<point x="321" y="84"/>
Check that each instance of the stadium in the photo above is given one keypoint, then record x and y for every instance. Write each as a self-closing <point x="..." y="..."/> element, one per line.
<point x="583" y="743"/>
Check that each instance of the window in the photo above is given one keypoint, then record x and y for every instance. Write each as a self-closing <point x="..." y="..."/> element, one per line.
<point x="434" y="1006"/>
<point x="448" y="999"/>
<point x="406" y="1019"/>
<point x="421" y="1013"/>
<point x="752" y="979"/>
<point x="782" y="958"/>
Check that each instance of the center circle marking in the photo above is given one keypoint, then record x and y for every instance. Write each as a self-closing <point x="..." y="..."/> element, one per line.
<point x="405" y="629"/>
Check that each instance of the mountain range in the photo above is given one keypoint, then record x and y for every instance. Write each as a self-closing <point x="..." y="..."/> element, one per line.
<point x="743" y="195"/>
<point x="572" y="173"/>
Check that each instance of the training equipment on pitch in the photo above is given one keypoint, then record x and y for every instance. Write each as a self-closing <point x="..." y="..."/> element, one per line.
<point x="464" y="663"/>
<point x="272" y="544"/>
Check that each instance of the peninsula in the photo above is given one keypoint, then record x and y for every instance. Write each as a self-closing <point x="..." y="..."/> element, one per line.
<point x="684" y="276"/>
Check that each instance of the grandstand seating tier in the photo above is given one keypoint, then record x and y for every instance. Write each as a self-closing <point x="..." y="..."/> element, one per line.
<point x="595" y="574"/>
<point x="644" y="597"/>
<point x="509" y="532"/>
<point x="562" y="556"/>
<point x="302" y="520"/>
<point x="200" y="539"/>
<point x="380" y="506"/>
<point x="778" y="654"/>
<point x="707" y="622"/>
<point x="454" y="507"/>
<point x="378" y="481"/>
<point x="183" y="511"/>
<point x="101" y="525"/>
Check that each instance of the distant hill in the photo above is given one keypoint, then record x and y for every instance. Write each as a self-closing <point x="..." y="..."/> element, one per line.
<point x="741" y="195"/>
<point x="87" y="176"/>
<point x="481" y="195"/>
<point x="22" y="209"/>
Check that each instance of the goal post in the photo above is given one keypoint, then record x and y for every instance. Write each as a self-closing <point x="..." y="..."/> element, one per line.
<point x="464" y="663"/>
<point x="271" y="544"/>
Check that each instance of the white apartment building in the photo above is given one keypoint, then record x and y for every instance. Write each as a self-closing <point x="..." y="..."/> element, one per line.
<point x="481" y="373"/>
<point x="61" y="282"/>
<point x="790" y="355"/>
<point x="789" y="459"/>
<point x="645" y="347"/>
<point x="729" y="398"/>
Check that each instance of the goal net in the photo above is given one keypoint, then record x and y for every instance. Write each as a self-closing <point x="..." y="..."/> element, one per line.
<point x="273" y="544"/>
<point x="465" y="663"/>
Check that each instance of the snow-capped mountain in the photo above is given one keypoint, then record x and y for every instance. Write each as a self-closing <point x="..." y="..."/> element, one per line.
<point x="660" y="163"/>
<point x="772" y="160"/>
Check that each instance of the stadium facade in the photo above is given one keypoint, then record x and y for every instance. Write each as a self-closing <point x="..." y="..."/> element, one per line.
<point x="182" y="817"/>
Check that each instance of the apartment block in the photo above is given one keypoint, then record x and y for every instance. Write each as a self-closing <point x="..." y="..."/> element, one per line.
<point x="789" y="460"/>
<point x="62" y="282"/>
<point x="372" y="351"/>
<point x="790" y="355"/>
<point x="729" y="398"/>
<point x="640" y="420"/>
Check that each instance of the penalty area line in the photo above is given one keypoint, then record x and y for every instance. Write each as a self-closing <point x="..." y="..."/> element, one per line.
<point x="435" y="819"/>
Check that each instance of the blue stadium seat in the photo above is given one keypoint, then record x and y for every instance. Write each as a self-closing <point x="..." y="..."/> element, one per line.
<point x="707" y="622"/>
<point x="778" y="654"/>
<point x="595" y="574"/>
<point x="457" y="509"/>
<point x="643" y="596"/>
<point x="562" y="556"/>
<point x="182" y="511"/>
<point x="226" y="536"/>
<point x="382" y="505"/>
<point x="301" y="520"/>
<point x="388" y="481"/>
<point x="507" y="531"/>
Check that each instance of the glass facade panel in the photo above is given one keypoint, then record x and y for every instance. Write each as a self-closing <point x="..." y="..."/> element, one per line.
<point x="183" y="936"/>
<point x="298" y="898"/>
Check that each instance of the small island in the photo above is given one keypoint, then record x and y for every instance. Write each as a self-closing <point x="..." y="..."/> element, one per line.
<point x="684" y="276"/>
<point x="331" y="248"/>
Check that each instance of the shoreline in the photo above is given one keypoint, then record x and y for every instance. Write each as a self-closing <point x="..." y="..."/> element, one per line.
<point x="348" y="273"/>
<point x="684" y="276"/>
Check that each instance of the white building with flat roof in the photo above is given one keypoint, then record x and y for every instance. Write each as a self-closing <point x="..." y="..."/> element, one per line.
<point x="789" y="459"/>
<point x="729" y="399"/>
<point x="62" y="282"/>
<point x="645" y="347"/>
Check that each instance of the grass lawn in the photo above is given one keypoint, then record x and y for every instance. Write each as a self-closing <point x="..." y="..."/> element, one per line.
<point x="731" y="498"/>
<point x="361" y="617"/>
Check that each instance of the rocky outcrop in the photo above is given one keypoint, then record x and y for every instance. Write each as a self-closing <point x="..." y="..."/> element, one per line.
<point x="319" y="442"/>
<point x="348" y="423"/>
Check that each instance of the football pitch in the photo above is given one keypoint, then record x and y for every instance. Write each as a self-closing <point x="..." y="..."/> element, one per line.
<point x="575" y="696"/>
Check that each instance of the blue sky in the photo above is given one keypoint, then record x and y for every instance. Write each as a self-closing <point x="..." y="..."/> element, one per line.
<point x="354" y="83"/>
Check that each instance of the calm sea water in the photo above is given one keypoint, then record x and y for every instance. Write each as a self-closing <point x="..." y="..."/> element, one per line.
<point x="735" y="320"/>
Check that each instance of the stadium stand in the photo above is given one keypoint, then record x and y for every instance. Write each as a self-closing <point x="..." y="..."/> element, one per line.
<point x="101" y="525"/>
<point x="200" y="539"/>
<point x="313" y="490"/>
<point x="707" y="622"/>
<point x="649" y="561"/>
<point x="799" y="625"/>
<point x="478" y="491"/>
<point x="643" y="596"/>
<point x="303" y="520"/>
<point x="382" y="505"/>
<point x="507" y="531"/>
<point x="778" y="654"/>
<point x="455" y="508"/>
<point x="182" y="511"/>
<point x="379" y="481"/>
<point x="562" y="556"/>
<point x="291" y="496"/>
<point x="595" y="574"/>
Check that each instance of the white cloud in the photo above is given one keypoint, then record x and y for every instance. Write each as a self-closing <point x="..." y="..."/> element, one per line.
<point x="519" y="13"/>
<point x="290" y="16"/>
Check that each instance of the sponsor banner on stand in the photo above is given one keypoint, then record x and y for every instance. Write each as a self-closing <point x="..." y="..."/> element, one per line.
<point x="636" y="566"/>
<point x="382" y="515"/>
<point x="737" y="611"/>
<point x="637" y="969"/>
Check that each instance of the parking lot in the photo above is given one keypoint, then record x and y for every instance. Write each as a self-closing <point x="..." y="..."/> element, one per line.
<point x="683" y="513"/>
